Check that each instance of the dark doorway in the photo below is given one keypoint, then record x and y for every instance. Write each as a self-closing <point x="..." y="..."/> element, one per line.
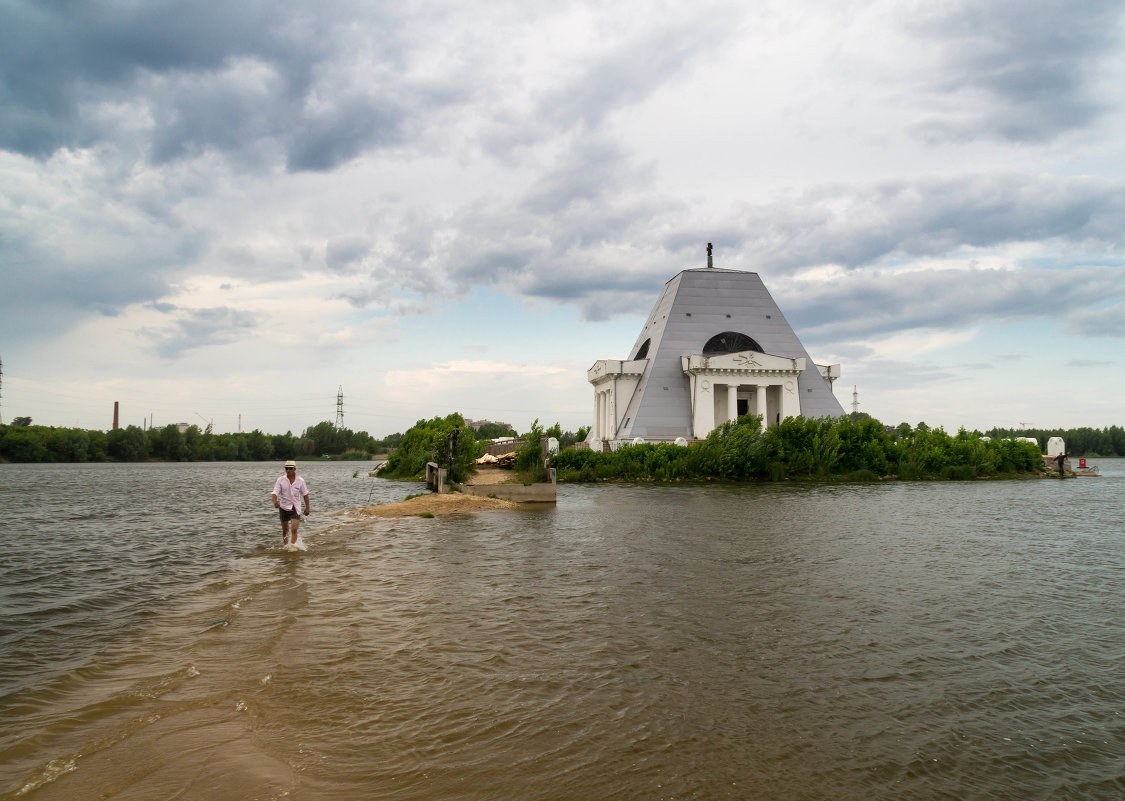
<point x="743" y="406"/>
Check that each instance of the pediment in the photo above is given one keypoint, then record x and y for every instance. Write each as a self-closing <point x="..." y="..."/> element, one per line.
<point x="746" y="361"/>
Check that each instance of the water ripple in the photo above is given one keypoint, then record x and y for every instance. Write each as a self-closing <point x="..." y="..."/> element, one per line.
<point x="909" y="641"/>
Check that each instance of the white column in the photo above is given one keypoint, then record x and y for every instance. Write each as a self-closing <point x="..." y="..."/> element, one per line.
<point x="610" y="414"/>
<point x="760" y="404"/>
<point x="597" y="414"/>
<point x="704" y="407"/>
<point x="732" y="401"/>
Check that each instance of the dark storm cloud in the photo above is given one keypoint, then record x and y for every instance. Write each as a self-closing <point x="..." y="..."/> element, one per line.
<point x="612" y="257"/>
<point x="257" y="79"/>
<point x="556" y="246"/>
<point x="877" y="303"/>
<point x="931" y="217"/>
<point x="1017" y="71"/>
<point x="199" y="328"/>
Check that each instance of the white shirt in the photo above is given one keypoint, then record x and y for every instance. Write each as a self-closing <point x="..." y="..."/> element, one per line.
<point x="288" y="494"/>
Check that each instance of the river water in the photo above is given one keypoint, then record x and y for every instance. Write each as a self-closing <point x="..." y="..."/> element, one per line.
<point x="935" y="640"/>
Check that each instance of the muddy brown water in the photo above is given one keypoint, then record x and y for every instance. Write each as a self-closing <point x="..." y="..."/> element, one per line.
<point x="899" y="641"/>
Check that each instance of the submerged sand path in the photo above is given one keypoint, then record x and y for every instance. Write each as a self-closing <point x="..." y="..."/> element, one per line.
<point x="449" y="504"/>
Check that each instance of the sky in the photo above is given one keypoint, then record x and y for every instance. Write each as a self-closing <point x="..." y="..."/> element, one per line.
<point x="229" y="213"/>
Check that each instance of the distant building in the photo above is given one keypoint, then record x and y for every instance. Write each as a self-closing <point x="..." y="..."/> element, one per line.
<point x="715" y="347"/>
<point x="476" y="424"/>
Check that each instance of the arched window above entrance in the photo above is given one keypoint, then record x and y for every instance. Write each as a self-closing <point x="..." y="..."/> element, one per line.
<point x="729" y="342"/>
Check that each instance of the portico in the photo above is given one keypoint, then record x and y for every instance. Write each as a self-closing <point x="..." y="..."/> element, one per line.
<point x="727" y="386"/>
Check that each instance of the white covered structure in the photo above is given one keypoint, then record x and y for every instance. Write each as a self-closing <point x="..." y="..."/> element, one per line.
<point x="715" y="347"/>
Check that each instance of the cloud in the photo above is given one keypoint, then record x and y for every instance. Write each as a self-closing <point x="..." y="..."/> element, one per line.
<point x="481" y="366"/>
<point x="198" y="328"/>
<point x="878" y="303"/>
<point x="897" y="375"/>
<point x="1092" y="322"/>
<point x="191" y="170"/>
<point x="1020" y="72"/>
<point x="79" y="240"/>
<point x="859" y="226"/>
<point x="611" y="61"/>
<point x="313" y="86"/>
<point x="345" y="254"/>
<point x="631" y="70"/>
<point x="611" y="257"/>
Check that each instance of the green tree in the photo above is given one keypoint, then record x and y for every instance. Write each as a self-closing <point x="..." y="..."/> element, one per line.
<point x="21" y="444"/>
<point x="326" y="438"/>
<point x="99" y="446"/>
<point x="127" y="444"/>
<point x="429" y="440"/>
<point x="260" y="446"/>
<point x="168" y="443"/>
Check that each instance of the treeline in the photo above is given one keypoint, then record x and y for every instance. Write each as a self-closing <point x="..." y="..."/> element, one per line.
<point x="31" y="443"/>
<point x="856" y="448"/>
<point x="1109" y="441"/>
<point x="23" y="442"/>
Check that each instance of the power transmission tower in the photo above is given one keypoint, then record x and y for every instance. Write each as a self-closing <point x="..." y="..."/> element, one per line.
<point x="1" y="390"/>
<point x="340" y="407"/>
<point x="855" y="399"/>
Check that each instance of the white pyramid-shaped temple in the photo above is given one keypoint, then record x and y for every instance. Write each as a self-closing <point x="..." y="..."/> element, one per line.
<point x="715" y="347"/>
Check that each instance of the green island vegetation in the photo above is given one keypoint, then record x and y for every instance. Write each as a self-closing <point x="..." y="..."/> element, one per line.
<point x="428" y="441"/>
<point x="853" y="448"/>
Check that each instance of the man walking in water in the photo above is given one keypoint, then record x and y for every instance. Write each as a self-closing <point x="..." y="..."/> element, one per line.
<point x="286" y="491"/>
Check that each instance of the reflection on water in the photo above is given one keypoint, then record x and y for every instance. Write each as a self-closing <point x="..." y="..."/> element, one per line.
<point x="895" y="641"/>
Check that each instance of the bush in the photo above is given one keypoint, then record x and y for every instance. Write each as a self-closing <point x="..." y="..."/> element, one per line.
<point x="964" y="472"/>
<point x="529" y="456"/>
<point x="863" y="475"/>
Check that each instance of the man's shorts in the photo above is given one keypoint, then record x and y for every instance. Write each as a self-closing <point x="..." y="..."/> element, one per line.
<point x="288" y="514"/>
